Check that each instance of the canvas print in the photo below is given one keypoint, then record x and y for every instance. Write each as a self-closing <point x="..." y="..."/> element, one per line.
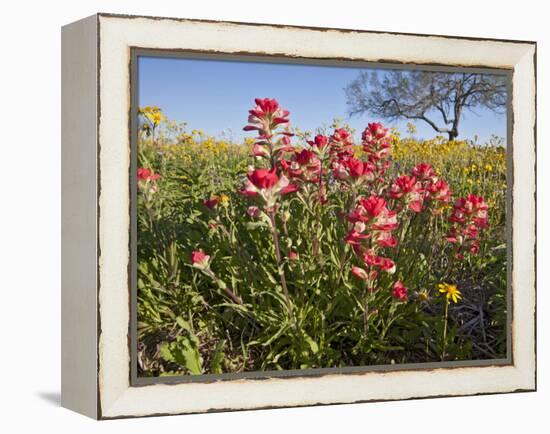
<point x="294" y="217"/>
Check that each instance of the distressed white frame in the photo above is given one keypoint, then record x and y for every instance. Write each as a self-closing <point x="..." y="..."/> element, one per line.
<point x="107" y="393"/>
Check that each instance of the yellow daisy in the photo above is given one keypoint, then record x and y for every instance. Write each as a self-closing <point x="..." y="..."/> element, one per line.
<point x="451" y="291"/>
<point x="224" y="199"/>
<point x="423" y="295"/>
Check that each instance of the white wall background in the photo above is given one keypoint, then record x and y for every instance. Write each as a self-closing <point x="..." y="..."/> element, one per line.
<point x="30" y="216"/>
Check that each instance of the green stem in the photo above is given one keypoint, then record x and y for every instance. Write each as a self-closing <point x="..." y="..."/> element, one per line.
<point x="317" y="214"/>
<point x="221" y="284"/>
<point x="279" y="259"/>
<point x="344" y="253"/>
<point x="444" y="344"/>
<point x="366" y="314"/>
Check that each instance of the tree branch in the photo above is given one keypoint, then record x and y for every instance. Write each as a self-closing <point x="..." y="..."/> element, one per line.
<point x="443" y="114"/>
<point x="433" y="124"/>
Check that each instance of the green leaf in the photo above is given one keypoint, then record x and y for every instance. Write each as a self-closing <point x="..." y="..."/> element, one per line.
<point x="276" y="335"/>
<point x="183" y="352"/>
<point x="217" y="358"/>
<point x="312" y="344"/>
<point x="166" y="353"/>
<point x="383" y="347"/>
<point x="183" y="324"/>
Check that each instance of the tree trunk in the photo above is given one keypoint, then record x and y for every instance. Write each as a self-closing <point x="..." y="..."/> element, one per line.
<point x="452" y="135"/>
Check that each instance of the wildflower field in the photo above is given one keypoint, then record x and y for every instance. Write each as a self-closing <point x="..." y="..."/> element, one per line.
<point x="294" y="250"/>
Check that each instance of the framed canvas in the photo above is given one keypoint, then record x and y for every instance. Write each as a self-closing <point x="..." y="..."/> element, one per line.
<point x="262" y="216"/>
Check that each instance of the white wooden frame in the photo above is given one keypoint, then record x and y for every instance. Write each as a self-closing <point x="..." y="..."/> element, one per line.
<point x="96" y="219"/>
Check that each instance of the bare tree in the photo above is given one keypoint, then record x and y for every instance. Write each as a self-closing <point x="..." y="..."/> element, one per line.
<point x="436" y="98"/>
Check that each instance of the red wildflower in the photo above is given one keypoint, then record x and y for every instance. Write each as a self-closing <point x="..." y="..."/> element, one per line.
<point x="359" y="273"/>
<point x="386" y="239"/>
<point x="370" y="258"/>
<point x="249" y="189"/>
<point x="400" y="291"/>
<point x="374" y="205"/>
<point x="266" y="116"/>
<point x="355" y="237"/>
<point x="304" y="164"/>
<point x="287" y="189"/>
<point x="470" y="214"/>
<point x="372" y="218"/>
<point x="408" y="188"/>
<point x="144" y="174"/>
<point x="319" y="142"/>
<point x="439" y="191"/>
<point x="423" y="172"/>
<point x="253" y="211"/>
<point x="341" y="143"/>
<point x="402" y="185"/>
<point x="386" y="221"/>
<point x="374" y="210"/>
<point x="304" y="157"/>
<point x="352" y="168"/>
<point x="259" y="150"/>
<point x="375" y="131"/>
<point x="385" y="264"/>
<point x="199" y="259"/>
<point x="341" y="134"/>
<point x="291" y="168"/>
<point x="263" y="178"/>
<point x="357" y="168"/>
<point x="471" y="208"/>
<point x="292" y="255"/>
<point x="376" y="143"/>
<point x="268" y="185"/>
<point x="212" y="202"/>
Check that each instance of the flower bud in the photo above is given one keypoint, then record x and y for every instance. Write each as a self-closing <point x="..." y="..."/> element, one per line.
<point x="285" y="216"/>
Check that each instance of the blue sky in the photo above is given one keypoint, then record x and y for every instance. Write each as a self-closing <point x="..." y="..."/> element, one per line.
<point x="215" y="96"/>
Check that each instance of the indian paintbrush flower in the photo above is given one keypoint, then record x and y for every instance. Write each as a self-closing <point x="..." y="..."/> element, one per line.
<point x="359" y="273"/>
<point x="408" y="189"/>
<point x="304" y="164"/>
<point x="469" y="216"/>
<point x="385" y="264"/>
<point x="292" y="255"/>
<point x="253" y="211"/>
<point x="144" y="174"/>
<point x="268" y="185"/>
<point x="341" y="143"/>
<point x="423" y="172"/>
<point x="400" y="291"/>
<point x="376" y="221"/>
<point x="353" y="169"/>
<point x="147" y="182"/>
<point x="199" y="259"/>
<point x="212" y="202"/>
<point x="266" y="116"/>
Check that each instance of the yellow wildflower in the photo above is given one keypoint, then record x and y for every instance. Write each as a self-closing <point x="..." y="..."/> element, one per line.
<point x="451" y="291"/>
<point x="156" y="117"/>
<point x="423" y="295"/>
